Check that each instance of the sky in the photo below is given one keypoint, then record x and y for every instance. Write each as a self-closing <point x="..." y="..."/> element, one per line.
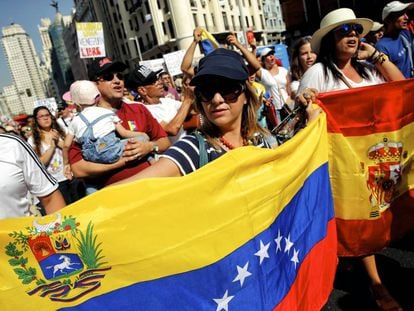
<point x="27" y="13"/>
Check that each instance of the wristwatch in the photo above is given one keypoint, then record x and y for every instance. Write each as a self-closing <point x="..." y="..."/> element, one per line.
<point x="155" y="147"/>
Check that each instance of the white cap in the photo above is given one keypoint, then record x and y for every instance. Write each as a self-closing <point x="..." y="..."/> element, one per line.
<point x="377" y="26"/>
<point x="395" y="6"/>
<point x="266" y="51"/>
<point x="84" y="92"/>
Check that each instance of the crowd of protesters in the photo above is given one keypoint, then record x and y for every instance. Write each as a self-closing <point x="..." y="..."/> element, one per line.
<point x="227" y="93"/>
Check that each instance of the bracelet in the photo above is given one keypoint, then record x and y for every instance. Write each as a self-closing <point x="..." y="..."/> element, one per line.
<point x="381" y="58"/>
<point x="372" y="55"/>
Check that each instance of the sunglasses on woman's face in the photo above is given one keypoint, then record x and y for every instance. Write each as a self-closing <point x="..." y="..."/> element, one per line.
<point x="230" y="93"/>
<point x="345" y="29"/>
<point x="110" y="76"/>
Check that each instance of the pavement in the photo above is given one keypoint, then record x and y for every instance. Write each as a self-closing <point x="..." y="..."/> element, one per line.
<point x="396" y="268"/>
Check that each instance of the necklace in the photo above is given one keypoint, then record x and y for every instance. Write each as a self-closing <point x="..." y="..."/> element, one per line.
<point x="228" y="144"/>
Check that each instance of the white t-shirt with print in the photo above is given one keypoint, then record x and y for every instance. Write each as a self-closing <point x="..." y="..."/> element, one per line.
<point x="21" y="172"/>
<point x="55" y="166"/>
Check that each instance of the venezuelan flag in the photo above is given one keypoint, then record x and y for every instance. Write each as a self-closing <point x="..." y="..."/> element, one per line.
<point x="208" y="43"/>
<point x="371" y="132"/>
<point x="253" y="230"/>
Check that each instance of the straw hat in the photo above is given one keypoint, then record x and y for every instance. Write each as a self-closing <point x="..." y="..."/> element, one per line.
<point x="334" y="19"/>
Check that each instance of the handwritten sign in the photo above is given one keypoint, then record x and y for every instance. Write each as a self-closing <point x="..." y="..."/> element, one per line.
<point x="173" y="62"/>
<point x="90" y="40"/>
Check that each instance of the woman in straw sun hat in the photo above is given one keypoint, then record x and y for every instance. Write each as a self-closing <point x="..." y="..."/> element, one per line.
<point x="343" y="62"/>
<point x="340" y="54"/>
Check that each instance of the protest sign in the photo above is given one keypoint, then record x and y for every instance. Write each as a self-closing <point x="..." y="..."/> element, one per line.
<point x="90" y="40"/>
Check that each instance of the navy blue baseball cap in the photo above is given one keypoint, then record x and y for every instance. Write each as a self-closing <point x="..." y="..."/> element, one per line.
<point x="222" y="63"/>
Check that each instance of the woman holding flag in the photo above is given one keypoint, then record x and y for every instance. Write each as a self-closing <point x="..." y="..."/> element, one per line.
<point x="228" y="105"/>
<point x="346" y="62"/>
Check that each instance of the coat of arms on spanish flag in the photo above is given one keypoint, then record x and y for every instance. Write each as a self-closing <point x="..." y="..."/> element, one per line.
<point x="371" y="138"/>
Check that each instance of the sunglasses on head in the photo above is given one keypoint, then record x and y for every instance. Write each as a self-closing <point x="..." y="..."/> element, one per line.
<point x="345" y="29"/>
<point x="110" y="76"/>
<point x="230" y="93"/>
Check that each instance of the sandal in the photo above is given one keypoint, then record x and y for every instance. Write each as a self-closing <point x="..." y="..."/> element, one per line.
<point x="383" y="298"/>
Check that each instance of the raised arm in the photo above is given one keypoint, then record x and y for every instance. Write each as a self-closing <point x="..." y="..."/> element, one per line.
<point x="187" y="63"/>
<point x="248" y="56"/>
<point x="173" y="127"/>
<point x="381" y="62"/>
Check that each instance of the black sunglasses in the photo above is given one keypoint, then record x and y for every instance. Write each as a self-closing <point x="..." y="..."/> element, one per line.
<point x="230" y="93"/>
<point x="110" y="76"/>
<point x="345" y="29"/>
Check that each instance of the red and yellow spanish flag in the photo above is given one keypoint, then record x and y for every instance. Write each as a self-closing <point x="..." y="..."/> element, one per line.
<point x="371" y="149"/>
<point x="253" y="230"/>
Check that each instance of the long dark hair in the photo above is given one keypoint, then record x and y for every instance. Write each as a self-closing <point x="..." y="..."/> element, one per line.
<point x="327" y="57"/>
<point x="37" y="136"/>
<point x="295" y="66"/>
<point x="249" y="127"/>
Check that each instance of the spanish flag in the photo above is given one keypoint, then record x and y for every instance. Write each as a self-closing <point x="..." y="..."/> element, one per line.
<point x="371" y="149"/>
<point x="252" y="230"/>
<point x="208" y="43"/>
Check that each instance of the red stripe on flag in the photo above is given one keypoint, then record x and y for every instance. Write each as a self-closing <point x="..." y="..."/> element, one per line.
<point x="387" y="107"/>
<point x="364" y="237"/>
<point x="312" y="287"/>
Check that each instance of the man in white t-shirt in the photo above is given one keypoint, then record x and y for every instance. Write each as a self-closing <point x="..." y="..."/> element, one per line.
<point x="22" y="172"/>
<point x="170" y="113"/>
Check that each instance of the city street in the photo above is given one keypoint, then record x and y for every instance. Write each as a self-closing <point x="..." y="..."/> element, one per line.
<point x="396" y="267"/>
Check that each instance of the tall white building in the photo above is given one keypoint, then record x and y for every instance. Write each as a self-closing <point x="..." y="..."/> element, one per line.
<point x="23" y="64"/>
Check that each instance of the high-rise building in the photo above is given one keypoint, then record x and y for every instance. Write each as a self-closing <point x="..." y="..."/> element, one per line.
<point x="23" y="64"/>
<point x="61" y="68"/>
<point x="46" y="62"/>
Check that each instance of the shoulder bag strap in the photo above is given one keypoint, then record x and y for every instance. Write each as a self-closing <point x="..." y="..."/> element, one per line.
<point x="344" y="80"/>
<point x="201" y="149"/>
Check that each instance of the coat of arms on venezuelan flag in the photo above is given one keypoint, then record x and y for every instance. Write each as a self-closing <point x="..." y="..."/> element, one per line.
<point x="57" y="260"/>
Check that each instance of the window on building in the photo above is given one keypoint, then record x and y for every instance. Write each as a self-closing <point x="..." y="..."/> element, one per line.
<point x="126" y="4"/>
<point x="141" y="45"/>
<point x="213" y="20"/>
<point x="166" y="7"/>
<point x="247" y="21"/>
<point x="131" y="27"/>
<point x="163" y="28"/>
<point x="123" y="49"/>
<point x="233" y="23"/>
<point x="154" y="36"/>
<point x="225" y="21"/>
<point x="28" y="93"/>
<point x="158" y="5"/>
<point x="147" y="9"/>
<point x="171" y="28"/>
<point x="195" y="19"/>
<point x="205" y="20"/>
<point x="115" y="17"/>
<point x="111" y="2"/>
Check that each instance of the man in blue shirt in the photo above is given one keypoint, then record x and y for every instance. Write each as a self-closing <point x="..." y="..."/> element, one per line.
<point x="397" y="41"/>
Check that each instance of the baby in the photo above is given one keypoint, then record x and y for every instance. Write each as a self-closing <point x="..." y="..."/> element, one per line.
<point x="95" y="129"/>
